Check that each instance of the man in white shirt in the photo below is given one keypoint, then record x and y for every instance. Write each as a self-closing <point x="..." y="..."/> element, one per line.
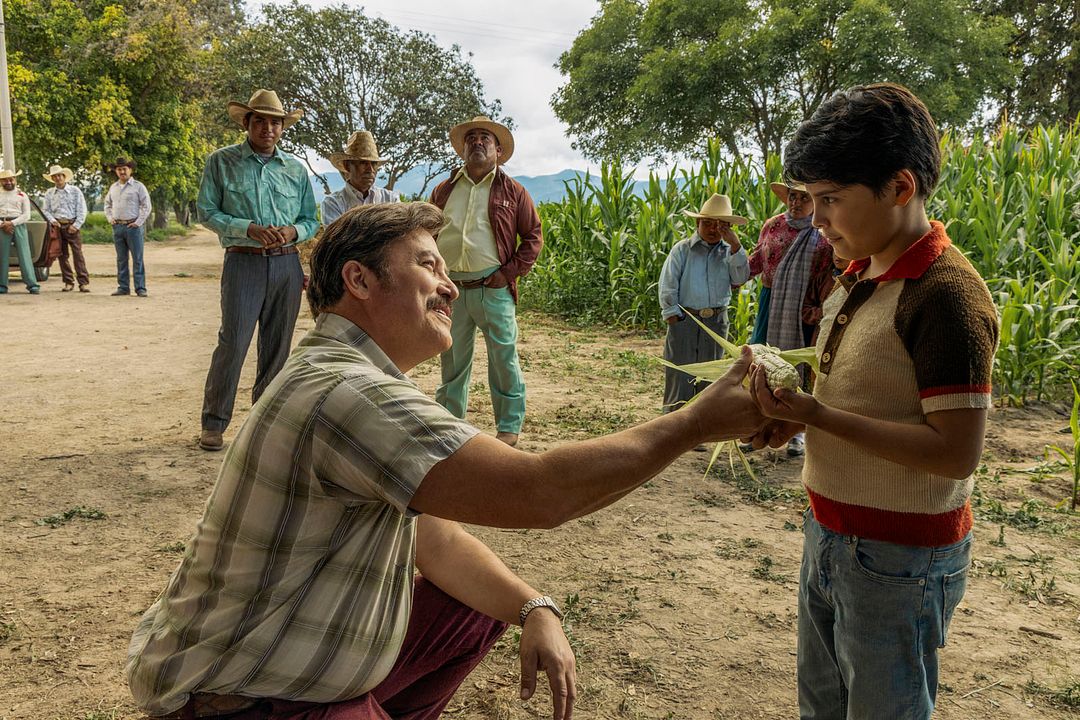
<point x="358" y="164"/>
<point x="127" y="207"/>
<point x="65" y="208"/>
<point x="14" y="214"/>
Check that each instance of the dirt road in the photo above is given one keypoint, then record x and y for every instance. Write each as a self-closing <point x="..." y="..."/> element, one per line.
<point x="680" y="599"/>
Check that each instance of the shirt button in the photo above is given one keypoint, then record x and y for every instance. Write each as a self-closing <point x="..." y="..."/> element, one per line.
<point x="841" y="319"/>
<point x="826" y="357"/>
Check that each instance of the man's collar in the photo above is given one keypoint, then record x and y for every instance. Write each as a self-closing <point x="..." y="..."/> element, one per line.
<point x="337" y="327"/>
<point x="912" y="264"/>
<point x="357" y="194"/>
<point x="247" y="151"/>
<point x="462" y="171"/>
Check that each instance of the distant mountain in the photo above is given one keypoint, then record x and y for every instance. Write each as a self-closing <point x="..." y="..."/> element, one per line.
<point x="542" y="188"/>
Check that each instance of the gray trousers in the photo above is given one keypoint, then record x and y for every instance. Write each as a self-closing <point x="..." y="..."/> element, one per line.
<point x="686" y="343"/>
<point x="254" y="289"/>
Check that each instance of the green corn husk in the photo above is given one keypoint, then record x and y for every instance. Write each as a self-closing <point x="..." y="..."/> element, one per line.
<point x="715" y="369"/>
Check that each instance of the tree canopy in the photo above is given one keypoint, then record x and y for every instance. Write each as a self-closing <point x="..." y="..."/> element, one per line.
<point x="402" y="86"/>
<point x="659" y="77"/>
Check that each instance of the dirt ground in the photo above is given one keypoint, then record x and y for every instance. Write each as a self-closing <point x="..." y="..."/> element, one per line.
<point x="680" y="599"/>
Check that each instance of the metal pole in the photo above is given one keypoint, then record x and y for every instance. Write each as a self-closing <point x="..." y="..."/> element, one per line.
<point x="6" y="136"/>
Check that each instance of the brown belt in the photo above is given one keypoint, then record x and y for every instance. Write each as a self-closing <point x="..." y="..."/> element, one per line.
<point x="470" y="284"/>
<point x="268" y="252"/>
<point x="65" y="222"/>
<point x="706" y="312"/>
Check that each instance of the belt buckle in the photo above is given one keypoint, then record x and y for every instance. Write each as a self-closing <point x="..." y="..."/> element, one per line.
<point x="707" y="312"/>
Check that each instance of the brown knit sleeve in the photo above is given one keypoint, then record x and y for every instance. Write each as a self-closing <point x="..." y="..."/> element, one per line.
<point x="949" y="325"/>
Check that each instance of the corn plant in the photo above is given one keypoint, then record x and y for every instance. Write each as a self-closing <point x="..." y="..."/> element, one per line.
<point x="1011" y="201"/>
<point x="1072" y="459"/>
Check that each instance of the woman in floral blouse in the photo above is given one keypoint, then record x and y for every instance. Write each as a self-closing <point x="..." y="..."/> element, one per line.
<point x="776" y="237"/>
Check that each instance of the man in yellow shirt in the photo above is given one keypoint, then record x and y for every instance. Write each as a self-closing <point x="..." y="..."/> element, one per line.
<point x="493" y="238"/>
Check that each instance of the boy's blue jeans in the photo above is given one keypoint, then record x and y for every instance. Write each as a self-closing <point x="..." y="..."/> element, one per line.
<point x="872" y="616"/>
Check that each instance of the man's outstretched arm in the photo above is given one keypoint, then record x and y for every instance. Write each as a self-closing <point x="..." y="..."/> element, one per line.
<point x="488" y="483"/>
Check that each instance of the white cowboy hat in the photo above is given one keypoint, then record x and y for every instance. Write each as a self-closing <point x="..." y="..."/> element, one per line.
<point x="718" y="207"/>
<point x="57" y="170"/>
<point x="263" y="102"/>
<point x="361" y="146"/>
<point x="781" y="190"/>
<point x="5" y="174"/>
<point x="502" y="135"/>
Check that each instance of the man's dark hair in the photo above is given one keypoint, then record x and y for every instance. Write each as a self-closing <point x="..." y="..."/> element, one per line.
<point x="864" y="136"/>
<point x="363" y="234"/>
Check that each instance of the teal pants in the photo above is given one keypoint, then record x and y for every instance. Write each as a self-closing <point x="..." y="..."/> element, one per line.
<point x="491" y="310"/>
<point x="22" y="251"/>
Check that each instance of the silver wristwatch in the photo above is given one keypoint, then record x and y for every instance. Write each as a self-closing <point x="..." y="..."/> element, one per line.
<point x="542" y="601"/>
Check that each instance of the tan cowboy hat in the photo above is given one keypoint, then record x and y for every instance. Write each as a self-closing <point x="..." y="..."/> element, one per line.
<point x="501" y="132"/>
<point x="781" y="190"/>
<point x="718" y="207"/>
<point x="361" y="146"/>
<point x="57" y="170"/>
<point x="263" y="102"/>
<point x="5" y="174"/>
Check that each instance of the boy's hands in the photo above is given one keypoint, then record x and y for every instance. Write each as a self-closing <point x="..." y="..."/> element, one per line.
<point x="782" y="404"/>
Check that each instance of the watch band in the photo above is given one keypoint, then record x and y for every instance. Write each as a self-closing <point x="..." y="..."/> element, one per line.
<point x="542" y="601"/>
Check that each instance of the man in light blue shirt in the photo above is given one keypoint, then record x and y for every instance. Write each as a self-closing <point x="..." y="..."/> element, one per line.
<point x="358" y="165"/>
<point x="260" y="203"/>
<point x="696" y="278"/>
<point x="127" y="208"/>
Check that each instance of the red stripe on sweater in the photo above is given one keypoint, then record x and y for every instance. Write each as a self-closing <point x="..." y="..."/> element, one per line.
<point x="902" y="528"/>
<point x="955" y="390"/>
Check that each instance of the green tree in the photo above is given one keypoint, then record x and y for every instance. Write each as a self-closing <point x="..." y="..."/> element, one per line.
<point x="1045" y="43"/>
<point x="402" y="86"/>
<point x="94" y="79"/>
<point x="659" y="77"/>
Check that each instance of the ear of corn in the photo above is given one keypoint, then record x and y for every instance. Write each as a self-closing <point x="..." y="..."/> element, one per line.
<point x="779" y="373"/>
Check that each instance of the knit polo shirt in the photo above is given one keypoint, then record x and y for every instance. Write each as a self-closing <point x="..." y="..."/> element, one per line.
<point x="918" y="339"/>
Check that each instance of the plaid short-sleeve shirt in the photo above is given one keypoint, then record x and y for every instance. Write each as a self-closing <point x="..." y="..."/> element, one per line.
<point x="298" y="583"/>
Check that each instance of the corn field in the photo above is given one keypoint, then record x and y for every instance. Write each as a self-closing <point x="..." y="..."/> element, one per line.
<point x="1011" y="203"/>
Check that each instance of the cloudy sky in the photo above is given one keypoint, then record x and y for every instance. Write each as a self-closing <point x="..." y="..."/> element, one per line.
<point x="514" y="46"/>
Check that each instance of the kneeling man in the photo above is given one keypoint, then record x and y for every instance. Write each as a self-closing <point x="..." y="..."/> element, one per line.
<point x="297" y="597"/>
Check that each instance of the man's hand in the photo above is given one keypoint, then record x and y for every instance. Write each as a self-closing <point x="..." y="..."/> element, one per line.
<point x="725" y="410"/>
<point x="496" y="280"/>
<point x="729" y="236"/>
<point x="132" y="224"/>
<point x="544" y="647"/>
<point x="288" y="233"/>
<point x="775" y="434"/>
<point x="782" y="404"/>
<point x="674" y="319"/>
<point x="267" y="236"/>
<point x="7" y="226"/>
<point x="71" y="229"/>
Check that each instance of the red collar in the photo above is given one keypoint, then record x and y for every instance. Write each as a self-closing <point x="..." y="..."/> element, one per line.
<point x="915" y="260"/>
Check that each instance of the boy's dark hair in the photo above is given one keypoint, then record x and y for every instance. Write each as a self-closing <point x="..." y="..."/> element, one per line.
<point x="363" y="234"/>
<point x="864" y="136"/>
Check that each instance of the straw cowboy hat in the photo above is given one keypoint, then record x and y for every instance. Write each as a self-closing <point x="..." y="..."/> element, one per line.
<point x="5" y="174"/>
<point x="263" y="102"/>
<point x="781" y="190"/>
<point x="57" y="170"/>
<point x="123" y="162"/>
<point x="361" y="146"/>
<point x="501" y="132"/>
<point x="718" y="207"/>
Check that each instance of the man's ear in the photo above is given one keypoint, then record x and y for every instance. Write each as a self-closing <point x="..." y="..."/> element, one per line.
<point x="906" y="187"/>
<point x="359" y="279"/>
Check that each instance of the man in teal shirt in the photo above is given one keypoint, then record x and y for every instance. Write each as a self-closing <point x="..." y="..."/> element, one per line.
<point x="260" y="203"/>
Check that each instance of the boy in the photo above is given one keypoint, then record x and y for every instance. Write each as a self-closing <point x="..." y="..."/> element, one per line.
<point x="895" y="425"/>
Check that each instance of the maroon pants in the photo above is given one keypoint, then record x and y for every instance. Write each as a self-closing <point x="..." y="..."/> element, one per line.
<point x="444" y="642"/>
<point x="72" y="240"/>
